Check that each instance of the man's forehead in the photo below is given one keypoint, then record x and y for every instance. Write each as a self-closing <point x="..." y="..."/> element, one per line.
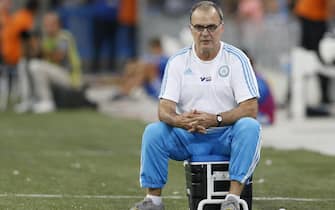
<point x="205" y="15"/>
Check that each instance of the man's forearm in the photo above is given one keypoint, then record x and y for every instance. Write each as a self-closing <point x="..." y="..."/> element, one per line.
<point x="248" y="109"/>
<point x="168" y="117"/>
<point x="167" y="113"/>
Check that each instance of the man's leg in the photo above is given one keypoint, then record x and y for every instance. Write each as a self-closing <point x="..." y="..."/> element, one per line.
<point x="245" y="149"/>
<point x="159" y="143"/>
<point x="134" y="77"/>
<point x="25" y="88"/>
<point x="44" y="74"/>
<point x="244" y="156"/>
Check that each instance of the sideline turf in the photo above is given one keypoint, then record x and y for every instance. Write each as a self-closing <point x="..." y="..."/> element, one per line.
<point x="87" y="153"/>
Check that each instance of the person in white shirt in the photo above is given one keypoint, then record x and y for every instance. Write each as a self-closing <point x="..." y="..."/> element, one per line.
<point x="208" y="105"/>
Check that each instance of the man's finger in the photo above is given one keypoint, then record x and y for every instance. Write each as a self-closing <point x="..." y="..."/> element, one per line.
<point x="201" y="129"/>
<point x="192" y="129"/>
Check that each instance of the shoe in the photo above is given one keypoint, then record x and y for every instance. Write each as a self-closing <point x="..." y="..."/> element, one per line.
<point x="230" y="203"/>
<point x="119" y="96"/>
<point x="147" y="204"/>
<point x="23" y="107"/>
<point x="44" y="107"/>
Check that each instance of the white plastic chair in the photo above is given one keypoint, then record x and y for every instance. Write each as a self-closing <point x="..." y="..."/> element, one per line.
<point x="305" y="63"/>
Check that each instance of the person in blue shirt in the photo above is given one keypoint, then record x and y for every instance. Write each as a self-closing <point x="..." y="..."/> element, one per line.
<point x="266" y="101"/>
<point x="105" y="28"/>
<point x="146" y="72"/>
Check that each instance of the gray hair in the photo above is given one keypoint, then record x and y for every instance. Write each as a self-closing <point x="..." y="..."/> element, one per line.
<point x="207" y="4"/>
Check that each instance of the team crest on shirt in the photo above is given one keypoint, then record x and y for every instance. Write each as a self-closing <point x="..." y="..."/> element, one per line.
<point x="224" y="71"/>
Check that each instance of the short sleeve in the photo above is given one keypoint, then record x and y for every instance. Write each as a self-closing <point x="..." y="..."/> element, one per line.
<point x="171" y="82"/>
<point x="244" y="81"/>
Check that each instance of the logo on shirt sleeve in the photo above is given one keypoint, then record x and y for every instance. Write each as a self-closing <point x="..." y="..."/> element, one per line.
<point x="224" y="71"/>
<point x="188" y="72"/>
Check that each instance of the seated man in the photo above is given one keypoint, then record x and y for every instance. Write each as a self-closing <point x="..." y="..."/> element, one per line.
<point x="147" y="72"/>
<point x="59" y="65"/>
<point x="208" y="105"/>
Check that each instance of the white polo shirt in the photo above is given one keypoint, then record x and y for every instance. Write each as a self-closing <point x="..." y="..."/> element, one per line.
<point x="213" y="86"/>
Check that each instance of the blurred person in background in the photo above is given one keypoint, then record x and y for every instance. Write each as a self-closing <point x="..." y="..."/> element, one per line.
<point x="313" y="16"/>
<point x="229" y="7"/>
<point x="251" y="10"/>
<point x="146" y="72"/>
<point x="5" y="6"/>
<point x="127" y="18"/>
<point x="276" y="8"/>
<point x="266" y="102"/>
<point x="58" y="65"/>
<point x="208" y="106"/>
<point x="21" y="22"/>
<point x="105" y="28"/>
<point x="250" y="18"/>
<point x="12" y="35"/>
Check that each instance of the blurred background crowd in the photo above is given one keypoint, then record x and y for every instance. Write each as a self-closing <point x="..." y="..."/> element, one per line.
<point x="126" y="44"/>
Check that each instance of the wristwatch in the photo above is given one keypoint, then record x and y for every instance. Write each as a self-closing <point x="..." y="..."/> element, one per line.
<point x="219" y="120"/>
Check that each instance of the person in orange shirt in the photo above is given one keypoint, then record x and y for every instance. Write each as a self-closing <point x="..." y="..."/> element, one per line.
<point x="127" y="18"/>
<point x="20" y="22"/>
<point x="313" y="16"/>
<point x="105" y="27"/>
<point x="5" y="6"/>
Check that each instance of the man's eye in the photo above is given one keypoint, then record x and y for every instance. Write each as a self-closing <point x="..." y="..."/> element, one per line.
<point x="211" y="27"/>
<point x="200" y="28"/>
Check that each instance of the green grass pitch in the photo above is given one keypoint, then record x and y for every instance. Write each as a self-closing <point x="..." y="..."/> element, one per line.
<point x="85" y="160"/>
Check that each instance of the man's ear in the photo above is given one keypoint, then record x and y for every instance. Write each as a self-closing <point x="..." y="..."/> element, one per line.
<point x="222" y="28"/>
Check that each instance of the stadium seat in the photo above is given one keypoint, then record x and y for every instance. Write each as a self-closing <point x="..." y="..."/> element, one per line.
<point x="207" y="183"/>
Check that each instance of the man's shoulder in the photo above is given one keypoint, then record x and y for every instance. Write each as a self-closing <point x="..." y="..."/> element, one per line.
<point x="231" y="49"/>
<point x="233" y="52"/>
<point x="180" y="54"/>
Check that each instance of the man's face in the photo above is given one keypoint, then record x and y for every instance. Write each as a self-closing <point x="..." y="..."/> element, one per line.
<point x="207" y="30"/>
<point x="51" y="24"/>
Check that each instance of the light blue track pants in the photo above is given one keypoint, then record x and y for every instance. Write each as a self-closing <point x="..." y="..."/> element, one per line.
<point x="161" y="142"/>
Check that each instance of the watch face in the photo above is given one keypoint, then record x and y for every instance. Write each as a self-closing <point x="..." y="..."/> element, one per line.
<point x="219" y="118"/>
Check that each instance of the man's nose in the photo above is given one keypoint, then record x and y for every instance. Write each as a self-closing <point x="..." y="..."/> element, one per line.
<point x="205" y="32"/>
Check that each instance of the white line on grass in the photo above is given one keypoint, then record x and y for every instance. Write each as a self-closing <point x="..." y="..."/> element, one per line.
<point x="292" y="199"/>
<point x="173" y="197"/>
<point x="82" y="196"/>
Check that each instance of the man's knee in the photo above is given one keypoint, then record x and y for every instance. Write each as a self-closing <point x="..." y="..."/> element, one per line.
<point x="248" y="125"/>
<point x="35" y="66"/>
<point x="154" y="133"/>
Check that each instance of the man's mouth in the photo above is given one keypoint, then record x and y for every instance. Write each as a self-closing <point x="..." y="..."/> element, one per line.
<point x="205" y="41"/>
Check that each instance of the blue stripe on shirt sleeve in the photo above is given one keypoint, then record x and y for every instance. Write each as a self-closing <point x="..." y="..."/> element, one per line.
<point x="247" y="71"/>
